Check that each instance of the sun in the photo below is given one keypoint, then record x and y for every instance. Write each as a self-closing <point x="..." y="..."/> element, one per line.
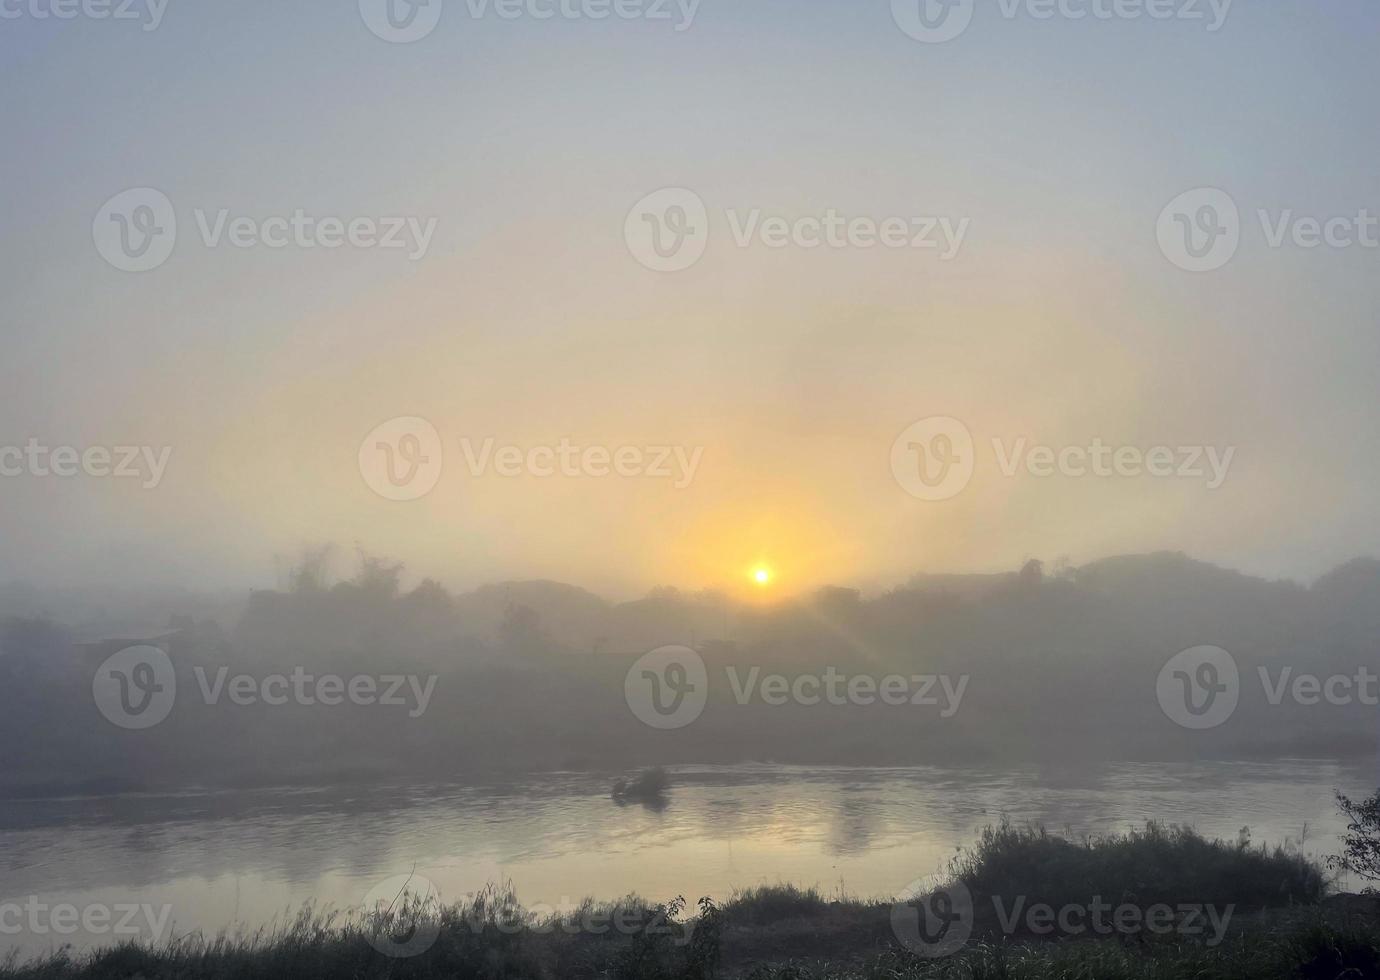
<point x="762" y="575"/>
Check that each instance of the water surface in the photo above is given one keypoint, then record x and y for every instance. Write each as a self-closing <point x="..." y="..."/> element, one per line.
<point x="245" y="859"/>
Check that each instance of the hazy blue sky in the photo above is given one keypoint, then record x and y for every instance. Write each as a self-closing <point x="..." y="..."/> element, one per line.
<point x="1059" y="320"/>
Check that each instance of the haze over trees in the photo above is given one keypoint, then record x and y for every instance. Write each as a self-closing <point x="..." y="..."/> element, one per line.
<point x="1060" y="664"/>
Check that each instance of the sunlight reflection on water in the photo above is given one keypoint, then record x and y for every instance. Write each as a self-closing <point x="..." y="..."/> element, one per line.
<point x="251" y="857"/>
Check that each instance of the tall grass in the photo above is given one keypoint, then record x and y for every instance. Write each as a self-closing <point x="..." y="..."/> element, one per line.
<point x="767" y="904"/>
<point x="487" y="936"/>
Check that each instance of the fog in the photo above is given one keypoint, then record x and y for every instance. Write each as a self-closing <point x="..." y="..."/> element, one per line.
<point x="260" y="371"/>
<point x="515" y="677"/>
<point x="745" y="450"/>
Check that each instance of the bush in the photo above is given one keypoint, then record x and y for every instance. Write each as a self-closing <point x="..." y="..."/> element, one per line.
<point x="772" y="903"/>
<point x="1150" y="866"/>
<point x="1362" y="840"/>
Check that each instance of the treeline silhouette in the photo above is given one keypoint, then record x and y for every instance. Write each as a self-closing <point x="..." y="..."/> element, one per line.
<point x="530" y="675"/>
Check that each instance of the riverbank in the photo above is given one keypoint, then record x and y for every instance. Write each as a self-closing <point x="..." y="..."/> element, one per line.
<point x="1336" y="938"/>
<point x="1018" y="903"/>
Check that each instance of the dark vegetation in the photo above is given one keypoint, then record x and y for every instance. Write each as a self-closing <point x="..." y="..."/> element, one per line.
<point x="530" y="675"/>
<point x="1285" y="928"/>
<point x="1150" y="866"/>
<point x="1361" y="853"/>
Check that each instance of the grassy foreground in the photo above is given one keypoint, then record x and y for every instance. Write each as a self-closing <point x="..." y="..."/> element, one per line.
<point x="1281" y="925"/>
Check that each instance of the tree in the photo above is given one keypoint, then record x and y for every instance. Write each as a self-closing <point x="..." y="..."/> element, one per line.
<point x="1362" y="840"/>
<point x="310" y="573"/>
<point x="520" y="631"/>
<point x="378" y="577"/>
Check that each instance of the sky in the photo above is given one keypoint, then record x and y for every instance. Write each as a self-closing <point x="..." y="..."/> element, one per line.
<point x="1032" y="161"/>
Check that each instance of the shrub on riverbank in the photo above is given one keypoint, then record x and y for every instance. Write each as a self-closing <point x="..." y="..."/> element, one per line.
<point x="1156" y="865"/>
<point x="771" y="903"/>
